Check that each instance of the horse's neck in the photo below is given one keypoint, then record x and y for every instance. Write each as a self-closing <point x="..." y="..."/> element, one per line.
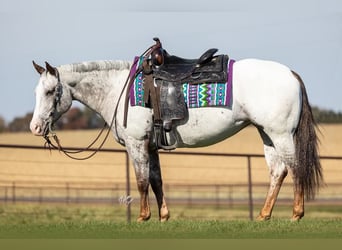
<point x="98" y="90"/>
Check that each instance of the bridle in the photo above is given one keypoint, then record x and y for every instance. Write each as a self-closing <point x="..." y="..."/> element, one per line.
<point x="58" y="92"/>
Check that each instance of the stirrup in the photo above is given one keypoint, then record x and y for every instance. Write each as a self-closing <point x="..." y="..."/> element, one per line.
<point x="161" y="140"/>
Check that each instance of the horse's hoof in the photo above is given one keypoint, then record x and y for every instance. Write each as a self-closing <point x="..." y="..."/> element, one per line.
<point x="164" y="214"/>
<point x="143" y="218"/>
<point x="263" y="218"/>
<point x="296" y="218"/>
<point x="164" y="218"/>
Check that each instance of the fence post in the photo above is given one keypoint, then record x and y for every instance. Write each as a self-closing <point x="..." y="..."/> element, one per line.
<point x="217" y="195"/>
<point x="40" y="195"/>
<point x="67" y="187"/>
<point x="6" y="194"/>
<point x="189" y="196"/>
<point x="128" y="189"/>
<point x="250" y="197"/>
<point x="230" y="197"/>
<point x="13" y="193"/>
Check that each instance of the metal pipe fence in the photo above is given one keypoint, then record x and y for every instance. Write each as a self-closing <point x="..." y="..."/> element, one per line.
<point x="115" y="193"/>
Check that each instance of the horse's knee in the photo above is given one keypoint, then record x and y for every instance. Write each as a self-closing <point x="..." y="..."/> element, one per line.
<point x="143" y="184"/>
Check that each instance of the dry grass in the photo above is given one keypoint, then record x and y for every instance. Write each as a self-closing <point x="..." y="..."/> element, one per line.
<point x="43" y="166"/>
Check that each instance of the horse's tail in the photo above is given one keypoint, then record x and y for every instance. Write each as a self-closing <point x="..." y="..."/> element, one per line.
<point x="308" y="171"/>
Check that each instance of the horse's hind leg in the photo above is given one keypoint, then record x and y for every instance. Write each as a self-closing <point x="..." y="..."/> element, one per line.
<point x="277" y="171"/>
<point x="298" y="204"/>
<point x="157" y="184"/>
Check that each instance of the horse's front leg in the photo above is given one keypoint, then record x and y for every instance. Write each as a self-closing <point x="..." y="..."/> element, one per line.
<point x="138" y="151"/>
<point x="143" y="186"/>
<point x="157" y="184"/>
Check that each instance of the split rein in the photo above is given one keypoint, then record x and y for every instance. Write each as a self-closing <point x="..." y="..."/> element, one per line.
<point x="49" y="133"/>
<point x="69" y="153"/>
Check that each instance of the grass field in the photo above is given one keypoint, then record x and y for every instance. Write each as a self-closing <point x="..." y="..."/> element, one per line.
<point x="177" y="229"/>
<point x="98" y="222"/>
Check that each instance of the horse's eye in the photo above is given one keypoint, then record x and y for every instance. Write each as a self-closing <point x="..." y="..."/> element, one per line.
<point x="50" y="92"/>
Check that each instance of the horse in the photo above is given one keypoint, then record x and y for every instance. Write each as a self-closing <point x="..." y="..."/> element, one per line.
<point x="265" y="94"/>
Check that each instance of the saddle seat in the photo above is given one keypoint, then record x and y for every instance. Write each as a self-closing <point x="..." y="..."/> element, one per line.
<point x="177" y="69"/>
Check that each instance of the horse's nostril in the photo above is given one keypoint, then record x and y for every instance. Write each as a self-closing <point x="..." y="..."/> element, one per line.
<point x="37" y="128"/>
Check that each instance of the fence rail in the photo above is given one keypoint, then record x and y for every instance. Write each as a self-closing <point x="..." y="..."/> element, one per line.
<point x="218" y="194"/>
<point x="179" y="194"/>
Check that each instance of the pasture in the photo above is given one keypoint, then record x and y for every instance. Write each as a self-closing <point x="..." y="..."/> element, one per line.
<point x="41" y="168"/>
<point x="61" y="221"/>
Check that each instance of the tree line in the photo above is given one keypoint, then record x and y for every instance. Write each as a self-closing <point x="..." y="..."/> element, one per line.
<point x="84" y="118"/>
<point x="75" y="118"/>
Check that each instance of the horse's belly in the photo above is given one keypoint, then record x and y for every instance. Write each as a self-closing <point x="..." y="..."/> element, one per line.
<point x="207" y="126"/>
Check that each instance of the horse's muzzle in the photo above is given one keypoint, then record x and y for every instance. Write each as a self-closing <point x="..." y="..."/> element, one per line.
<point x="38" y="128"/>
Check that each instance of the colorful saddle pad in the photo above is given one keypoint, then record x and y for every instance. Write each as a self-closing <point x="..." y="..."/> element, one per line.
<point x="195" y="95"/>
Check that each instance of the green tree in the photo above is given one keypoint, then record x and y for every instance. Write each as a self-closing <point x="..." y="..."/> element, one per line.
<point x="20" y="123"/>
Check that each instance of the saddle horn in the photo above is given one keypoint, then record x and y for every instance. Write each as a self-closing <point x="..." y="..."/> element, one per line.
<point x="157" y="54"/>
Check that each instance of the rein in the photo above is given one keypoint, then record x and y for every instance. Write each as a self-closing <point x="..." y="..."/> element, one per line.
<point x="50" y="145"/>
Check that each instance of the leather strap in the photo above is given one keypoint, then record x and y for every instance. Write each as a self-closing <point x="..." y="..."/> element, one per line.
<point x="152" y="96"/>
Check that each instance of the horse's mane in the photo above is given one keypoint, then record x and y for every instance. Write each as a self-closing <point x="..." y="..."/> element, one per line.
<point x="84" y="67"/>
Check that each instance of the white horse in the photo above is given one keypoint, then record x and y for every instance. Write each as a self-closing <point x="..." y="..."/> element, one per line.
<point x="266" y="94"/>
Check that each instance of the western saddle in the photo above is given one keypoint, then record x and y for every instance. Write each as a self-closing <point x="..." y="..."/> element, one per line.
<point x="164" y="75"/>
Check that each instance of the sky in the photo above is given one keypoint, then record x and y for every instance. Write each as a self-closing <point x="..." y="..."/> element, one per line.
<point x="305" y="35"/>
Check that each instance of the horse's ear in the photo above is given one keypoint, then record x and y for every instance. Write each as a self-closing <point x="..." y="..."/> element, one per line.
<point x="52" y="70"/>
<point x="39" y="68"/>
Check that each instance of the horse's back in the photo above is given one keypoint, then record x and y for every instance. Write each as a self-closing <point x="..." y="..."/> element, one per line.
<point x="263" y="76"/>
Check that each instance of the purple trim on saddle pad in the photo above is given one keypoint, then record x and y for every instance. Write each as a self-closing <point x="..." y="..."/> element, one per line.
<point x="136" y="93"/>
<point x="230" y="82"/>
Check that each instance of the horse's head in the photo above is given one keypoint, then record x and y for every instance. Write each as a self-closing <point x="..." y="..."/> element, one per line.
<point x="53" y="98"/>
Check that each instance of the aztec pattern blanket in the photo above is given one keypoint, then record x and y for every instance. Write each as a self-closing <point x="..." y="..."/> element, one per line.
<point x="195" y="95"/>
